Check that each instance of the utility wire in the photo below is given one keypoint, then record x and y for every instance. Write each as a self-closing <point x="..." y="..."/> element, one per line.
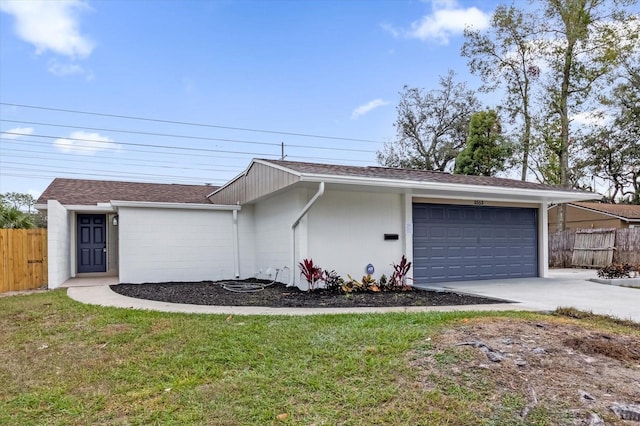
<point x="50" y="155"/>
<point x="13" y="163"/>
<point x="136" y="132"/>
<point x="89" y="149"/>
<point x="185" y="123"/>
<point x="217" y="154"/>
<point x="107" y="143"/>
<point x="52" y="174"/>
<point x="122" y="163"/>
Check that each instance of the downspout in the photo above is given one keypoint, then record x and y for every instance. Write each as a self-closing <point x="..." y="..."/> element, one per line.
<point x="236" y="243"/>
<point x="294" y="225"/>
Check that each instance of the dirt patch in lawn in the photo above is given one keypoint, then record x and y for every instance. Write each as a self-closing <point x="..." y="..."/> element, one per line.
<point x="278" y="295"/>
<point x="534" y="370"/>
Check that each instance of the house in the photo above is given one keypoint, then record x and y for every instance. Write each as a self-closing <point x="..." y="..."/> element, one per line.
<point x="582" y="215"/>
<point x="276" y="213"/>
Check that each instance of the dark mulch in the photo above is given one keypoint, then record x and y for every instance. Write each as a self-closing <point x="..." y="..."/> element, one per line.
<point x="278" y="295"/>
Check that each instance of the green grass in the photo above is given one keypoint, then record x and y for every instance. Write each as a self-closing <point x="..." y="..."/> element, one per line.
<point x="65" y="363"/>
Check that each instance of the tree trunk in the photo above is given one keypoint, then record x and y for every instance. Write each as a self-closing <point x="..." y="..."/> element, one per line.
<point x="526" y="141"/>
<point x="563" y="110"/>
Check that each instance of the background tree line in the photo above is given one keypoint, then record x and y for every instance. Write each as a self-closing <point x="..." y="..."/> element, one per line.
<point x="17" y="211"/>
<point x="560" y="61"/>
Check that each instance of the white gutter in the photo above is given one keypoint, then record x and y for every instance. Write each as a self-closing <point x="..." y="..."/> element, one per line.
<point x="181" y="206"/>
<point x="294" y="225"/>
<point x="236" y="243"/>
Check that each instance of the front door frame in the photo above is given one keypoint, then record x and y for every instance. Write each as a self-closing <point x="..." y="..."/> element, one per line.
<point x="97" y="247"/>
<point x="112" y="232"/>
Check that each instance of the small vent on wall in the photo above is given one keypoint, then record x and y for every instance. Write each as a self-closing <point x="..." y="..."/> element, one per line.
<point x="390" y="237"/>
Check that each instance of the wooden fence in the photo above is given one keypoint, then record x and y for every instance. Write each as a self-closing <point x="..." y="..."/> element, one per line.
<point x="23" y="259"/>
<point x="626" y="247"/>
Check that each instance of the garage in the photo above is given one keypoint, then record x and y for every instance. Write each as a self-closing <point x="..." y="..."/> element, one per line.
<point x="463" y="243"/>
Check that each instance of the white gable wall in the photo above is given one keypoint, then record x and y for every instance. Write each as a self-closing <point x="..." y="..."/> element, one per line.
<point x="346" y="232"/>
<point x="58" y="243"/>
<point x="158" y="245"/>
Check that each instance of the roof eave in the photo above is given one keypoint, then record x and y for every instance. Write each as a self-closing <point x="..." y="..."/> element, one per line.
<point x="623" y="218"/>
<point x="546" y="195"/>
<point x="179" y="206"/>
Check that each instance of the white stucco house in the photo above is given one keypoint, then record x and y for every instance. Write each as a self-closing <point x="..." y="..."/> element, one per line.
<point x="276" y="213"/>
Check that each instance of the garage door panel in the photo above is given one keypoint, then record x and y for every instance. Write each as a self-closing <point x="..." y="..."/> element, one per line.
<point x="453" y="243"/>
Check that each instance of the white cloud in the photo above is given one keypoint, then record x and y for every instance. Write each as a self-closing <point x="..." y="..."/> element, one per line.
<point x="60" y="70"/>
<point x="16" y="133"/>
<point x="590" y="118"/>
<point x="86" y="143"/>
<point x="50" y="25"/>
<point x="367" y="108"/>
<point x="446" y="20"/>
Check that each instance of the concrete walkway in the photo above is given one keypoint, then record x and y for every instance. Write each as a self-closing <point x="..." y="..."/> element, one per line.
<point x="564" y="288"/>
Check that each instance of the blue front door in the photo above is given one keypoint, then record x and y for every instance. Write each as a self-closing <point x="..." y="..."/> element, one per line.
<point x="92" y="244"/>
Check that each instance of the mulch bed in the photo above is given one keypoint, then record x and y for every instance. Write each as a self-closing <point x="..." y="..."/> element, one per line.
<point x="278" y="295"/>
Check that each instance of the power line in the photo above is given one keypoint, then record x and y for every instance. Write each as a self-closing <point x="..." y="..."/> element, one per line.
<point x="217" y="153"/>
<point x="185" y="123"/>
<point x="136" y="132"/>
<point x="119" y="160"/>
<point x="145" y="151"/>
<point x="12" y="163"/>
<point x="50" y="175"/>
<point x="107" y="143"/>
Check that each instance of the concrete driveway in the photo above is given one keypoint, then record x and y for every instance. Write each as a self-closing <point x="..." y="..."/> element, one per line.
<point x="564" y="287"/>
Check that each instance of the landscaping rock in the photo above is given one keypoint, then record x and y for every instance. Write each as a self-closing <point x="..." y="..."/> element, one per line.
<point x="585" y="397"/>
<point x="626" y="411"/>
<point x="595" y="420"/>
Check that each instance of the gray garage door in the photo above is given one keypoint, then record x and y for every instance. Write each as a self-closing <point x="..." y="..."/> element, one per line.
<point x="460" y="243"/>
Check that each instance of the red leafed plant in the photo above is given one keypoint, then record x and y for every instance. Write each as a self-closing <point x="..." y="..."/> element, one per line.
<point x="312" y="273"/>
<point x="400" y="271"/>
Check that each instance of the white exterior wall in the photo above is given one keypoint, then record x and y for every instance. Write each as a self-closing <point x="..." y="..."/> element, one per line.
<point x="58" y="243"/>
<point x="158" y="245"/>
<point x="346" y="232"/>
<point x="246" y="242"/>
<point x="272" y="241"/>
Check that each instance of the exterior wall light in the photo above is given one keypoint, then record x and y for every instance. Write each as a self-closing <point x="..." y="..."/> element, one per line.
<point x="114" y="221"/>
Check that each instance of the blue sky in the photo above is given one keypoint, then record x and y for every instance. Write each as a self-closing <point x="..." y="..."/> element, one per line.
<point x="308" y="67"/>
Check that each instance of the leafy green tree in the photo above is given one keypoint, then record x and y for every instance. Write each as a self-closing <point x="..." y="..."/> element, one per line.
<point x="431" y="126"/>
<point x="588" y="40"/>
<point x="17" y="211"/>
<point x="613" y="149"/>
<point x="18" y="200"/>
<point x="506" y="55"/>
<point x="486" y="150"/>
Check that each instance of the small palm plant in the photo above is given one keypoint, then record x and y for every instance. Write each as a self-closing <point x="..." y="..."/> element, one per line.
<point x="399" y="276"/>
<point x="11" y="217"/>
<point x="312" y="273"/>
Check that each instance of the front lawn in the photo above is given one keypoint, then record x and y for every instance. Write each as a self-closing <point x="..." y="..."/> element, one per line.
<point x="62" y="362"/>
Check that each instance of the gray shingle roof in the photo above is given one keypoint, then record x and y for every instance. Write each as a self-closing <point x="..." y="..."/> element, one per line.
<point x="91" y="192"/>
<point x="623" y="210"/>
<point x="410" y="175"/>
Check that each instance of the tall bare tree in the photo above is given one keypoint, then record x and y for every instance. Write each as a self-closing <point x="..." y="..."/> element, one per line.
<point x="431" y="126"/>
<point x="587" y="40"/>
<point x="506" y="54"/>
<point x="613" y="146"/>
